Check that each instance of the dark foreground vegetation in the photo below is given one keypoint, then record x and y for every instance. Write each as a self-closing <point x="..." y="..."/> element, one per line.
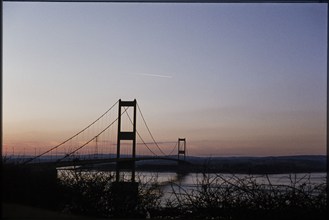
<point x="213" y="197"/>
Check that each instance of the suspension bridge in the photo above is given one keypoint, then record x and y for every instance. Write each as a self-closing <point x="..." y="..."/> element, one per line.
<point x="112" y="137"/>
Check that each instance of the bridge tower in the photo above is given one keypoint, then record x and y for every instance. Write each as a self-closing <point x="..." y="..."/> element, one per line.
<point x="125" y="194"/>
<point x="126" y="135"/>
<point x="182" y="147"/>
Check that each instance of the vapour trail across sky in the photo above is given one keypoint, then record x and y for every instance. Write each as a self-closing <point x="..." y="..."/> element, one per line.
<point x="153" y="75"/>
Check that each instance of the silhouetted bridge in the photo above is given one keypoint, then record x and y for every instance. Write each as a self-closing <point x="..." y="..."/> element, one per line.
<point x="126" y="136"/>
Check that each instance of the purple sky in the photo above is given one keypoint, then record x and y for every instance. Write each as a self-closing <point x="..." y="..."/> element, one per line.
<point x="234" y="79"/>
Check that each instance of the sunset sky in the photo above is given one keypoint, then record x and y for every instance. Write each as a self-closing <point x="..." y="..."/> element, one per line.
<point x="233" y="79"/>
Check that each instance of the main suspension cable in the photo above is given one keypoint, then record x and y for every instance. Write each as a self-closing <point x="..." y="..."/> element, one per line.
<point x="173" y="149"/>
<point x="69" y="154"/>
<point x="149" y="130"/>
<point x="28" y="161"/>
<point x="140" y="136"/>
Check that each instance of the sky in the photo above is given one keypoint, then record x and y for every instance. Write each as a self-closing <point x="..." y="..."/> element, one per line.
<point x="233" y="79"/>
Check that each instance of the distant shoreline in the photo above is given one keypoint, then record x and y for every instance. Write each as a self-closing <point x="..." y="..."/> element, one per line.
<point x="233" y="165"/>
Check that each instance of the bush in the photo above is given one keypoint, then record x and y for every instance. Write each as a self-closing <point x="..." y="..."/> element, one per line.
<point x="91" y="194"/>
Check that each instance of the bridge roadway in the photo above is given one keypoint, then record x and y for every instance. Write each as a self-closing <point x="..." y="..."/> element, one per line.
<point x="81" y="162"/>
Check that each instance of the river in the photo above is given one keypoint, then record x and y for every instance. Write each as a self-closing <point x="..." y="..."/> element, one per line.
<point x="192" y="180"/>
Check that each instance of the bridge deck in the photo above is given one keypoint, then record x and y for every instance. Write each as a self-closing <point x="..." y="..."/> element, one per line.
<point x="81" y="162"/>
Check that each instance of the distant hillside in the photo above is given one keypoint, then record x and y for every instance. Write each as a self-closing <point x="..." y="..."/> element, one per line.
<point x="280" y="164"/>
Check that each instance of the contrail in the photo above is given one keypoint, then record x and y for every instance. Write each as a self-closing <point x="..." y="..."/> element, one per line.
<point x="153" y="75"/>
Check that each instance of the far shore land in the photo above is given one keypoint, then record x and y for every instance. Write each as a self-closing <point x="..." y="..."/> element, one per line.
<point x="242" y="165"/>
